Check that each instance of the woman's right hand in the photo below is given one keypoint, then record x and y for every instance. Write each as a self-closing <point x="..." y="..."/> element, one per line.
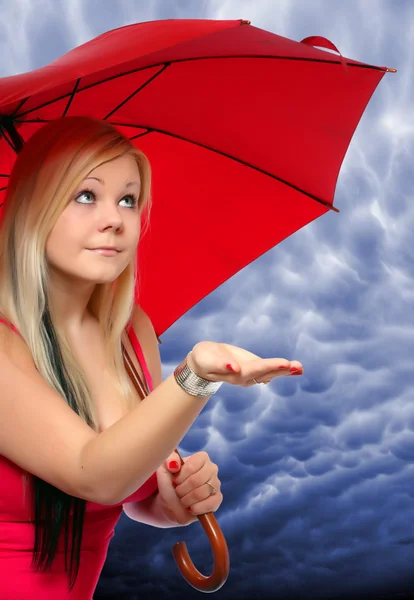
<point x="210" y="359"/>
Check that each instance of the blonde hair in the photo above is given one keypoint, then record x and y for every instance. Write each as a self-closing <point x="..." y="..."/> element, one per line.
<point x="51" y="165"/>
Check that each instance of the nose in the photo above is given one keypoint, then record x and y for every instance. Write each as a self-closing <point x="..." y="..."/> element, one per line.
<point x="110" y="217"/>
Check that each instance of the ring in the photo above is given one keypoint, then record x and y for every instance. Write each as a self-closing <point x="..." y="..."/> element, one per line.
<point x="264" y="382"/>
<point x="213" y="489"/>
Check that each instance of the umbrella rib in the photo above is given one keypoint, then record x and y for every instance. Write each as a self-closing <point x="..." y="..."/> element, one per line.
<point x="3" y="134"/>
<point x="181" y="60"/>
<point x="132" y="125"/>
<point x="231" y="157"/>
<point x="128" y="98"/>
<point x="71" y="97"/>
<point x="20" y="106"/>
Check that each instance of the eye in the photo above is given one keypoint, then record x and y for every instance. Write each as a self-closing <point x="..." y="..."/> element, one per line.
<point x="90" y="197"/>
<point x="84" y="193"/>
<point x="133" y="200"/>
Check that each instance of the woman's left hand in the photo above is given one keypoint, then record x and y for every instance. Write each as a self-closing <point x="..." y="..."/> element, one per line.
<point x="183" y="489"/>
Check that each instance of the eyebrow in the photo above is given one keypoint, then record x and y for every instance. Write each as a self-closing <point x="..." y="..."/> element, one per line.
<point x="128" y="183"/>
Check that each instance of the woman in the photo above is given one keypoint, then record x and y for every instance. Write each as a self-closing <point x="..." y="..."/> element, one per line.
<point x="76" y="444"/>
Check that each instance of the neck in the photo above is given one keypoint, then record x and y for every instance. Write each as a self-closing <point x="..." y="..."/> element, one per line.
<point x="69" y="303"/>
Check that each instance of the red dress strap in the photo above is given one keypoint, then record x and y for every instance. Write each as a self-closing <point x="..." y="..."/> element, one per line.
<point x="9" y="325"/>
<point x="140" y="356"/>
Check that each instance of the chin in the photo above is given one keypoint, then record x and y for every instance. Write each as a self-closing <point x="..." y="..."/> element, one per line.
<point x="93" y="276"/>
<point x="105" y="277"/>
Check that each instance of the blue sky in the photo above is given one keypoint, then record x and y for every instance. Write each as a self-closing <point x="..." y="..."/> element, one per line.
<point x="317" y="471"/>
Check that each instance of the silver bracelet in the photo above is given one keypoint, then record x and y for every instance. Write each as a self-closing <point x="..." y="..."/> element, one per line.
<point x="192" y="384"/>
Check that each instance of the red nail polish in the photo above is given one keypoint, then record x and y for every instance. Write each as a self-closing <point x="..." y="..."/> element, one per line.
<point x="173" y="464"/>
<point x="294" y="369"/>
<point x="230" y="368"/>
<point x="284" y="367"/>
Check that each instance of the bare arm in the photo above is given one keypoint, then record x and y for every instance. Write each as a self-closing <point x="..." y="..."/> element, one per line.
<point x="123" y="456"/>
<point x="150" y="511"/>
<point x="43" y="435"/>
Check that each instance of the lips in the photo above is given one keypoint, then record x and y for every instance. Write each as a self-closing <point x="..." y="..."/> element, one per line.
<point x="105" y="251"/>
<point x="106" y="248"/>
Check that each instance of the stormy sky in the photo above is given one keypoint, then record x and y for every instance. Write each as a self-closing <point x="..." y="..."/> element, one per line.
<point x="317" y="471"/>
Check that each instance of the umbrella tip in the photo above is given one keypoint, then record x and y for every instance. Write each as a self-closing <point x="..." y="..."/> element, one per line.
<point x="245" y="22"/>
<point x="390" y="70"/>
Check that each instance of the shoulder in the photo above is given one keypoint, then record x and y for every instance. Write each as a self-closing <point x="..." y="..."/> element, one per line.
<point x="142" y="325"/>
<point x="147" y="337"/>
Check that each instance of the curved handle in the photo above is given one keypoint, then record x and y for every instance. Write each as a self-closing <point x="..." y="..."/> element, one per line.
<point x="218" y="577"/>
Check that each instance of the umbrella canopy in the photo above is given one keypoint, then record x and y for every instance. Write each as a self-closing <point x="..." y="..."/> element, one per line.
<point x="245" y="130"/>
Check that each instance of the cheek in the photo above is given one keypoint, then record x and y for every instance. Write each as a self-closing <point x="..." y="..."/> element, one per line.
<point x="61" y="239"/>
<point x="134" y="231"/>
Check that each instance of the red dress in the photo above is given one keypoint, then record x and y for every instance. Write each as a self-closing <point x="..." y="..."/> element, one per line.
<point x="17" y="580"/>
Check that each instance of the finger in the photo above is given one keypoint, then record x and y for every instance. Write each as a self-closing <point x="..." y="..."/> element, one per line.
<point x="269" y="377"/>
<point x="208" y="473"/>
<point x="293" y="370"/>
<point x="201" y="493"/>
<point x="192" y="464"/>
<point x="209" y="488"/>
<point x="173" y="463"/>
<point x="211" y="504"/>
<point x="285" y="370"/>
<point x="262" y="368"/>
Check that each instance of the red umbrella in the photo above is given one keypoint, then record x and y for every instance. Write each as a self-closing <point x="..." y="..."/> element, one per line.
<point x="232" y="118"/>
<point x="245" y="131"/>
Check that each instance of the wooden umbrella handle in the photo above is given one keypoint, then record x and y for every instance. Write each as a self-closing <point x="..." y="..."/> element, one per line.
<point x="191" y="574"/>
<point x="218" y="577"/>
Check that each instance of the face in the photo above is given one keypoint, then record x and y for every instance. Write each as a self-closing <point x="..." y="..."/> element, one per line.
<point x="103" y="212"/>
